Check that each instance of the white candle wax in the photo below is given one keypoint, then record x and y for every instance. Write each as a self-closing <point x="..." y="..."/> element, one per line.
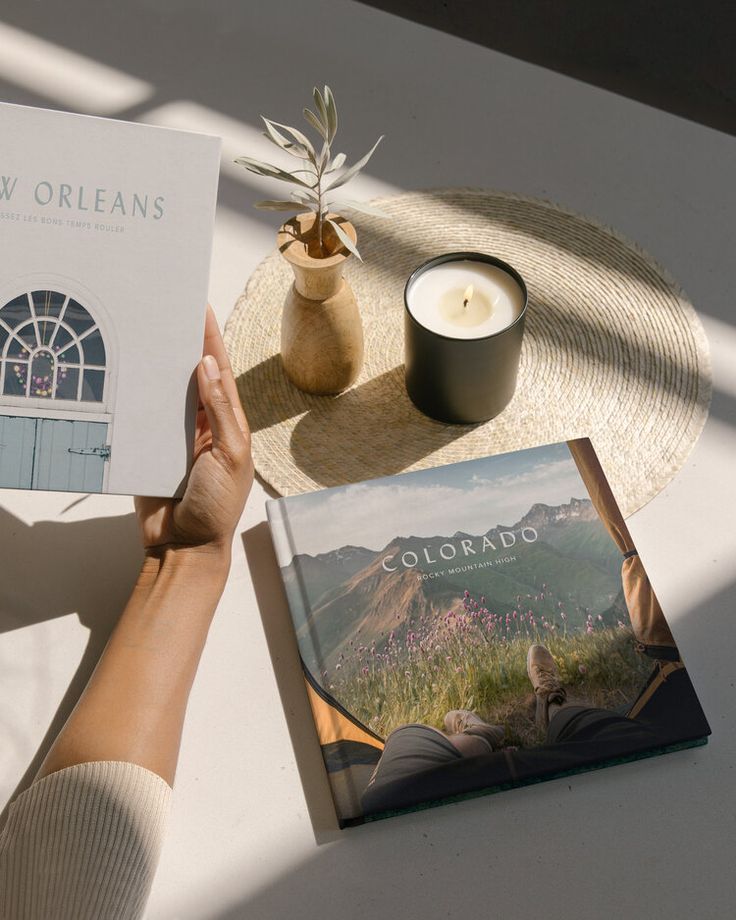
<point x="438" y="299"/>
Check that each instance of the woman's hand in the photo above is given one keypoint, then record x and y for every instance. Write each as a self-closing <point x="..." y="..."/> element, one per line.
<point x="222" y="471"/>
<point x="133" y="707"/>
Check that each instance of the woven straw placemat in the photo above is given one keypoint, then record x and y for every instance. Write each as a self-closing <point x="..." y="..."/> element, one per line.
<point x="612" y="350"/>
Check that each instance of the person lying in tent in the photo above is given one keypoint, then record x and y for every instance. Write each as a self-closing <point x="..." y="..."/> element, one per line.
<point x="420" y="763"/>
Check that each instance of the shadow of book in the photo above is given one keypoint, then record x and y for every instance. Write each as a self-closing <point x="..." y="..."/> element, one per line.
<point x="279" y="633"/>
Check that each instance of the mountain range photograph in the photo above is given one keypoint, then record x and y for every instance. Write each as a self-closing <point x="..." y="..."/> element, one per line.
<point x="435" y="607"/>
<point x="353" y="597"/>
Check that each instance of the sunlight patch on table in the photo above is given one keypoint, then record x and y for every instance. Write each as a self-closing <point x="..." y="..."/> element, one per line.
<point x="722" y="340"/>
<point x="240" y="242"/>
<point x="65" y="76"/>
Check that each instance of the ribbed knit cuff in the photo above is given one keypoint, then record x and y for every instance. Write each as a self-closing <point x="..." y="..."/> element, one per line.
<point x="83" y="843"/>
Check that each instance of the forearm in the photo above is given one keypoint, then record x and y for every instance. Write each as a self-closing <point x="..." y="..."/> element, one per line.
<point x="134" y="705"/>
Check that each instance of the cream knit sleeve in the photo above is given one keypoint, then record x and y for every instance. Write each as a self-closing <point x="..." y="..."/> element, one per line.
<point x="83" y="844"/>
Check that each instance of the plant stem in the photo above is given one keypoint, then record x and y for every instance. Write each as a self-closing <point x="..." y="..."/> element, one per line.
<point x="319" y="213"/>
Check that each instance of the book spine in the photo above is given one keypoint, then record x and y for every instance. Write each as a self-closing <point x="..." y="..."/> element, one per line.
<point x="296" y="592"/>
<point x="280" y="535"/>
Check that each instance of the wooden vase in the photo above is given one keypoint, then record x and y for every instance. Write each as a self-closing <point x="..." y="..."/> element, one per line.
<point x="321" y="330"/>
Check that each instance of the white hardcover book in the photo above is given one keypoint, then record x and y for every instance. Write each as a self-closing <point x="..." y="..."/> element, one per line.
<point x="105" y="243"/>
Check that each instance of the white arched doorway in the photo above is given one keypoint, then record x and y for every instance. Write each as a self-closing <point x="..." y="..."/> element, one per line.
<point x="55" y="411"/>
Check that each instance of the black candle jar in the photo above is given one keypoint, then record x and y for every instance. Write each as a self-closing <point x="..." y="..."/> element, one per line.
<point x="462" y="380"/>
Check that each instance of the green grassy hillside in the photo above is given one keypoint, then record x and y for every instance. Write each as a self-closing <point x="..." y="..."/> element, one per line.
<point x="467" y="667"/>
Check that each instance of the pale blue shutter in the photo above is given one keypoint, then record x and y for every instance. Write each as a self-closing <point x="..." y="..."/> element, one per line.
<point x="17" y="440"/>
<point x="70" y="455"/>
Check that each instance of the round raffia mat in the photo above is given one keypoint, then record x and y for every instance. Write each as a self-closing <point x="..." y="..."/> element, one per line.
<point x="612" y="350"/>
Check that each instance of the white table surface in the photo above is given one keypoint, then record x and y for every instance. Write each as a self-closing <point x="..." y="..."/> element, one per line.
<point x="252" y="834"/>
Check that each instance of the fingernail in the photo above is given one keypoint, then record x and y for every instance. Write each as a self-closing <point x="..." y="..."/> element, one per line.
<point x="211" y="367"/>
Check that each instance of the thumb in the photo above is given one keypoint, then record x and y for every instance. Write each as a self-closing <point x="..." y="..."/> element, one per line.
<point x="227" y="436"/>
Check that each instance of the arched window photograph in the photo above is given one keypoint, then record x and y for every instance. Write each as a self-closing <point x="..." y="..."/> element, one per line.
<point x="55" y="408"/>
<point x="51" y="348"/>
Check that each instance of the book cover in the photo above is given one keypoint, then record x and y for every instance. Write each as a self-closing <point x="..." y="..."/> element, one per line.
<point x="477" y="627"/>
<point x="106" y="234"/>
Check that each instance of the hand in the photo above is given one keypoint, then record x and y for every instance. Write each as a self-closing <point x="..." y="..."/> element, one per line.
<point x="222" y="472"/>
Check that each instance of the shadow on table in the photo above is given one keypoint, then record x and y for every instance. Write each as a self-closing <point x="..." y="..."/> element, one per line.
<point x="256" y="387"/>
<point x="421" y="864"/>
<point x="52" y="569"/>
<point x="282" y="647"/>
<point x="355" y="424"/>
<point x="371" y="430"/>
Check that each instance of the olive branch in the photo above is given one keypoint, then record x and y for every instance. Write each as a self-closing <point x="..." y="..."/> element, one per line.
<point x="319" y="173"/>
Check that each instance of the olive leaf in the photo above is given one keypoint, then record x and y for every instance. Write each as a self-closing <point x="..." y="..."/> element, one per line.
<point x="331" y="114"/>
<point x="319" y="102"/>
<point x="337" y="162"/>
<point x="276" y="205"/>
<point x="324" y="160"/>
<point x="310" y="170"/>
<point x="364" y="208"/>
<point x="300" y="142"/>
<point x="352" y="171"/>
<point x="269" y="172"/>
<point x="344" y="238"/>
<point x="315" y="122"/>
<point x="283" y="143"/>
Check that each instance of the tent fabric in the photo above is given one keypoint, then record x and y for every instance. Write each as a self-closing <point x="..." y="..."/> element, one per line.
<point x="647" y="619"/>
<point x="657" y="679"/>
<point x="669" y="702"/>
<point x="333" y="726"/>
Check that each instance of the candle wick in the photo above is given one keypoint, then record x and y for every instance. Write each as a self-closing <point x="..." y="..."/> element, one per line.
<point x="467" y="295"/>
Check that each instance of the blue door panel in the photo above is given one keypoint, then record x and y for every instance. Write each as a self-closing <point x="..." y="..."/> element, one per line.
<point x="64" y="458"/>
<point x="44" y="453"/>
<point x="17" y="440"/>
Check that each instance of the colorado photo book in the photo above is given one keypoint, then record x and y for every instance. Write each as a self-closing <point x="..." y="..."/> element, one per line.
<point x="106" y="234"/>
<point x="477" y="627"/>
